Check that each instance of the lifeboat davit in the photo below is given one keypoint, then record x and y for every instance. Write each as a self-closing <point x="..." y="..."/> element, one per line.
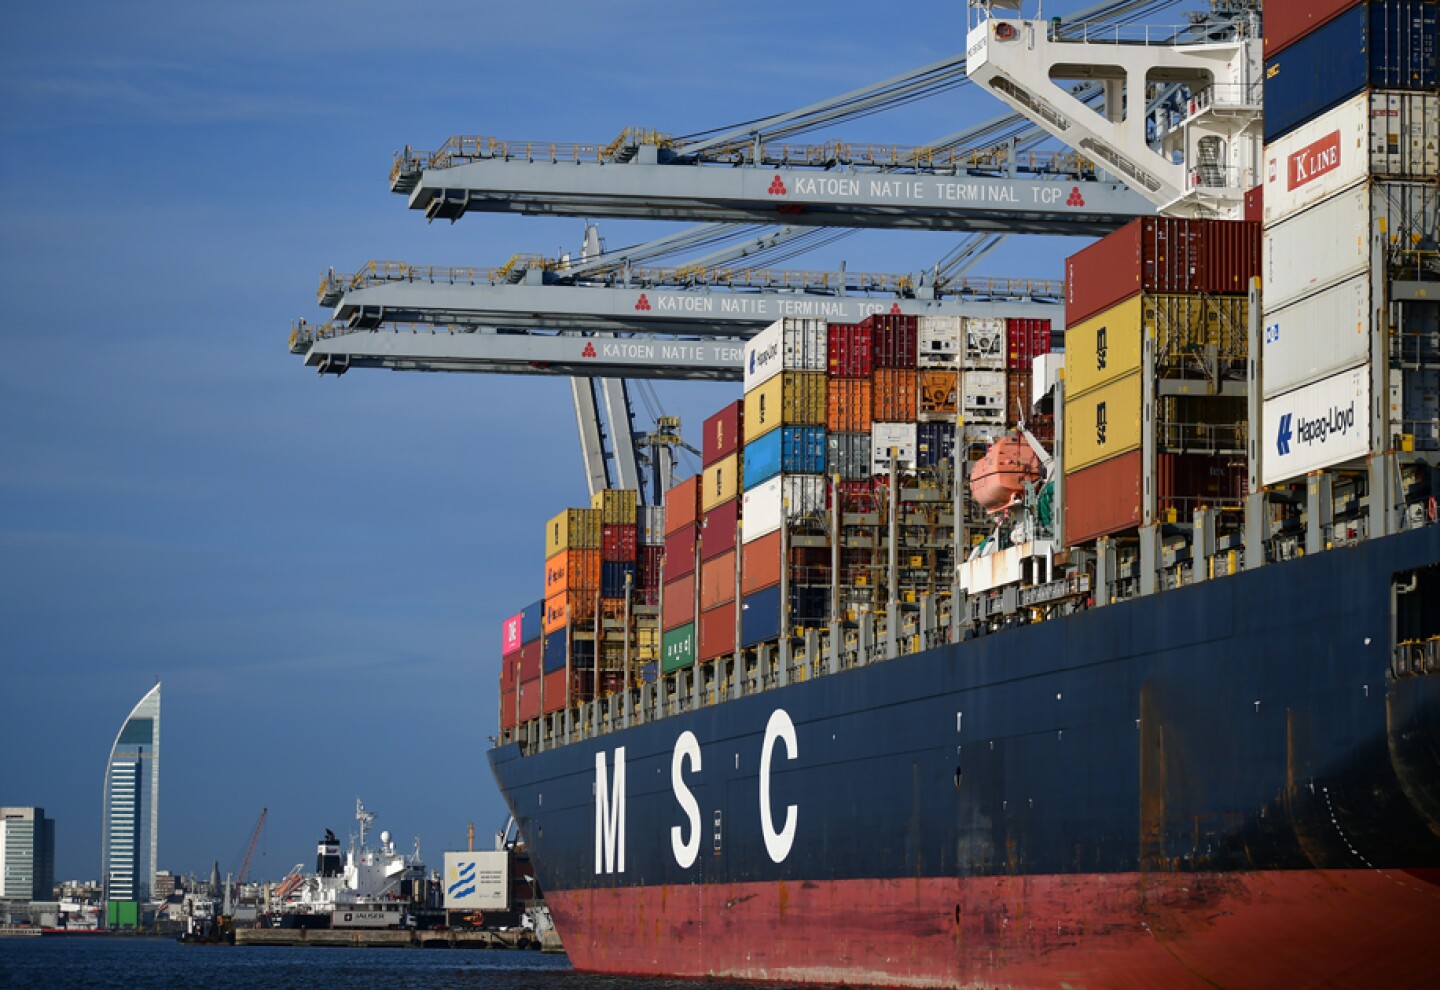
<point x="997" y="480"/>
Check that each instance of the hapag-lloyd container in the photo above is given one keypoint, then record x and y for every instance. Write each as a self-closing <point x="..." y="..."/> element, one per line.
<point x="848" y="402"/>
<point x="940" y="341"/>
<point x="788" y="496"/>
<point x="717" y="532"/>
<point x="850" y="352"/>
<point x="789" y="344"/>
<point x="1380" y="134"/>
<point x="1316" y="427"/>
<point x="791" y="449"/>
<point x="887" y="439"/>
<point x="722" y="433"/>
<point x="1161" y="255"/>
<point x="682" y="505"/>
<point x="1317" y="336"/>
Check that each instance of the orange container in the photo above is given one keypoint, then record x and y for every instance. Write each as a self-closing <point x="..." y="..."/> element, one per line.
<point x="572" y="570"/>
<point x="554" y="692"/>
<point x="848" y="403"/>
<point x="895" y="398"/>
<point x="678" y="602"/>
<point x="717" y="632"/>
<point x="717" y="580"/>
<point x="509" y="708"/>
<point x="529" y="700"/>
<point x="1102" y="499"/>
<point x="939" y="392"/>
<point x="760" y="561"/>
<point x="682" y="505"/>
<point x="580" y="604"/>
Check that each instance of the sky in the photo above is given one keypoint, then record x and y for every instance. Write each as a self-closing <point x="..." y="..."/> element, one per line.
<point x="317" y="569"/>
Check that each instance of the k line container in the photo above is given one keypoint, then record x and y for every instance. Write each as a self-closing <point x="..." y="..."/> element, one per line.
<point x="793" y="398"/>
<point x="680" y="552"/>
<point x="896" y="395"/>
<point x="939" y="395"/>
<point x="1102" y="423"/>
<point x="896" y="340"/>
<point x="721" y="482"/>
<point x="678" y="651"/>
<point x="760" y="563"/>
<point x="717" y="531"/>
<point x="1317" y="337"/>
<point x="722" y="433"/>
<point x="616" y="506"/>
<point x="848" y="455"/>
<point x="850" y="352"/>
<point x="984" y="343"/>
<point x="717" y="632"/>
<point x="1388" y="45"/>
<point x="1161" y="255"/>
<point x="982" y="396"/>
<point x="717" y="580"/>
<point x="785" y="345"/>
<point x="572" y="570"/>
<point x="760" y="617"/>
<point x="532" y="659"/>
<point x="787" y="497"/>
<point x="682" y="505"/>
<point x="790" y="449"/>
<point x="678" y="602"/>
<point x="573" y="528"/>
<point x="941" y="341"/>
<point x="1025" y="340"/>
<point x="1315" y="427"/>
<point x="892" y="439"/>
<point x="848" y="403"/>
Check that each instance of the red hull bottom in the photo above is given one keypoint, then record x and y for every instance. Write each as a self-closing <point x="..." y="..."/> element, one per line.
<point x="1291" y="930"/>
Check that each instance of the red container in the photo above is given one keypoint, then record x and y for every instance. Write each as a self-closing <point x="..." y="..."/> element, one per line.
<point x="509" y="708"/>
<point x="532" y="660"/>
<point x="895" y="340"/>
<point x="895" y="396"/>
<point x="680" y="552"/>
<point x="510" y="672"/>
<point x="1189" y="481"/>
<point x="682" y="505"/>
<point x="617" y="542"/>
<point x="722" y="433"/>
<point x="717" y="532"/>
<point x="1103" y="499"/>
<point x="529" y="700"/>
<point x="855" y="496"/>
<point x="1288" y="22"/>
<point x="760" y="563"/>
<point x="717" y="632"/>
<point x="1255" y="204"/>
<point x="1161" y="255"/>
<point x="555" y="698"/>
<point x="1025" y="340"/>
<point x="717" y="581"/>
<point x="678" y="603"/>
<point x="849" y="354"/>
<point x="647" y="568"/>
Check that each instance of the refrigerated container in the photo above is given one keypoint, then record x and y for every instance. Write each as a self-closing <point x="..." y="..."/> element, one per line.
<point x="789" y="344"/>
<point x="892" y="439"/>
<point x="788" y="497"/>
<point x="1317" y="336"/>
<point x="984" y="343"/>
<point x="1317" y="426"/>
<point x="982" y="396"/>
<point x="941" y="341"/>
<point x="939" y="396"/>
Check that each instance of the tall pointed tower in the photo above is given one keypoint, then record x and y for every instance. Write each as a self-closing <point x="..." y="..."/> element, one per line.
<point x="131" y="819"/>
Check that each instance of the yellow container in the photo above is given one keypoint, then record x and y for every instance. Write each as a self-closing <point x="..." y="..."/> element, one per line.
<point x="791" y="398"/>
<point x="721" y="482"/>
<point x="1107" y="347"/>
<point x="1103" y="422"/>
<point x="577" y="529"/>
<point x="1101" y="350"/>
<point x="617" y="506"/>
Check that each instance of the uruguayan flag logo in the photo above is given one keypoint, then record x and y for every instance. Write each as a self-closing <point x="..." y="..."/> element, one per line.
<point x="462" y="879"/>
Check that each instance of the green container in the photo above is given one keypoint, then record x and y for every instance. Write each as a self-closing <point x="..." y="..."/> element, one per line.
<point x="679" y="648"/>
<point x="122" y="914"/>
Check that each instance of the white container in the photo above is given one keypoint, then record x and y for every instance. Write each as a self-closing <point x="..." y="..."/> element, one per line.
<point x="1415" y="406"/>
<point x="1317" y="336"/>
<point x="1317" y="426"/>
<point x="940" y="338"/>
<point x="786" y="345"/>
<point x="785" y="496"/>
<point x="984" y="432"/>
<point x="1045" y="372"/>
<point x="984" y="342"/>
<point x="651" y="526"/>
<point x="982" y="396"/>
<point x="1405" y="135"/>
<point x="899" y="437"/>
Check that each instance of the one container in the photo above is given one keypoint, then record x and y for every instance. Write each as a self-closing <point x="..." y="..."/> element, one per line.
<point x="647" y="570"/>
<point x="895" y="339"/>
<point x="1317" y="336"/>
<point x="554" y="697"/>
<point x="939" y="395"/>
<point x="578" y="528"/>
<point x="791" y="449"/>
<point x="1102" y="423"/>
<point x="788" y="496"/>
<point x="794" y="398"/>
<point x="887" y="439"/>
<point x="1103" y="499"/>
<point x="984" y="343"/>
<point x="848" y="402"/>
<point x="1389" y="44"/>
<point x="1108" y="345"/>
<point x="760" y="563"/>
<point x="717" y="632"/>
<point x="616" y="578"/>
<point x="510" y="708"/>
<point x="717" y="531"/>
<point x="572" y="570"/>
<point x="510" y="672"/>
<point x="896" y="396"/>
<point x="556" y="653"/>
<point x="680" y="552"/>
<point x="677" y="602"/>
<point x="1315" y="427"/>
<point x="575" y="606"/>
<point x="721" y="482"/>
<point x="717" y="580"/>
<point x="618" y="542"/>
<point x="786" y="345"/>
<point x="510" y="640"/>
<point x="1286" y="23"/>
<point x="941" y="341"/>
<point x="650" y="523"/>
<point x="722" y="433"/>
<point x="1161" y="255"/>
<point x="1025" y="339"/>
<point x="760" y="617"/>
<point x="1017" y="397"/>
<point x="682" y="505"/>
<point x="532" y="627"/>
<point x="809" y="605"/>
<point x="850" y="351"/>
<point x="1045" y="374"/>
<point x="528" y="700"/>
<point x="1254" y="204"/>
<point x="982" y="396"/>
<point x="532" y="659"/>
<point x="678" y="651"/>
<point x="848" y="455"/>
<point x="616" y="506"/>
<point x="934" y="444"/>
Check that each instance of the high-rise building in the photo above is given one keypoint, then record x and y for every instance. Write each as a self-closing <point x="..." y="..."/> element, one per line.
<point x="131" y="812"/>
<point x="27" y="854"/>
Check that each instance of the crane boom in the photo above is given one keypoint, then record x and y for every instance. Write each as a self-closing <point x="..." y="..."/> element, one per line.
<point x="250" y="849"/>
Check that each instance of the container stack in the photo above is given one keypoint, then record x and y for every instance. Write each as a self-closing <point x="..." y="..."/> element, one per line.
<point x="572" y="593"/>
<point x="1156" y="350"/>
<point x="1026" y="340"/>
<point x="1350" y="205"/>
<point x="678" y="596"/>
<point x="650" y="526"/>
<point x="719" y="521"/>
<point x="628" y="632"/>
<point x="521" y="646"/>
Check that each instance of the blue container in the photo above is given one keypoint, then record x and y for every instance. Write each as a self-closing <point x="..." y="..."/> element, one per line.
<point x="809" y="605"/>
<point x="647" y="673"/>
<point x="790" y="449"/>
<point x="555" y="651"/>
<point x="935" y="444"/>
<point x="612" y="577"/>
<point x="760" y="616"/>
<point x="532" y="622"/>
<point x="1390" y="44"/>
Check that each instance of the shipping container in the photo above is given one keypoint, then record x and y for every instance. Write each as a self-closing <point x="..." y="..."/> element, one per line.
<point x="941" y="341"/>
<point x="528" y="700"/>
<point x="982" y="396"/>
<point x="887" y="438"/>
<point x="793" y="398"/>
<point x="760" y="563"/>
<point x="532" y="659"/>
<point x="848" y="403"/>
<point x="1025" y="339"/>
<point x="984" y="343"/>
<point x="556" y="654"/>
<point x="790" y="344"/>
<point x="616" y="506"/>
<point x="850" y="352"/>
<point x="572" y="570"/>
<point x="682" y="505"/>
<point x="616" y="577"/>
<point x="1415" y="407"/>
<point x="1315" y="427"/>
<point x="722" y="433"/>
<point x="578" y="606"/>
<point x="679" y="648"/>
<point x="510" y="672"/>
<point x="649" y="673"/>
<point x="1017" y="397"/>
<point x="677" y="602"/>
<point x="532" y="626"/>
<point x="1161" y="255"/>
<point x="789" y="496"/>
<point x="647" y="571"/>
<point x="555" y="697"/>
<point x="1317" y="336"/>
<point x="1103" y="499"/>
<point x="1255" y="204"/>
<point x="680" y="552"/>
<point x="939" y="396"/>
<point x="1389" y="44"/>
<point x="934" y="444"/>
<point x="510" y="708"/>
<point x="510" y="640"/>
<point x="760" y="617"/>
<point x="791" y="449"/>
<point x="717" y="530"/>
<point x="618" y="542"/>
<point x="573" y="528"/>
<point x="848" y="455"/>
<point x="895" y="398"/>
<point x="717" y="580"/>
<point x="1108" y="346"/>
<point x="1287" y="22"/>
<point x="983" y="432"/>
<point x="721" y="482"/>
<point x="650" y="522"/>
<point x="895" y="340"/>
<point x="1103" y="422"/>
<point x="717" y="632"/>
<point x="1044" y="375"/>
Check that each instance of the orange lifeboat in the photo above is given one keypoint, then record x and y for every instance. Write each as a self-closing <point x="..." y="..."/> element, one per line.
<point x="997" y="480"/>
